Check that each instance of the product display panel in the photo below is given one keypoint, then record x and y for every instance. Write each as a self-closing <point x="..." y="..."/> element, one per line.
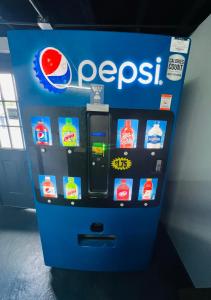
<point x="114" y="159"/>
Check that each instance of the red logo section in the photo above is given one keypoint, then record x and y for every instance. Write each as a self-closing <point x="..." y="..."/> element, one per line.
<point x="50" y="61"/>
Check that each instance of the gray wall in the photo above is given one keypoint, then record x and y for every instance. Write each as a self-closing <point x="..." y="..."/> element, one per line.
<point x="187" y="207"/>
<point x="5" y="63"/>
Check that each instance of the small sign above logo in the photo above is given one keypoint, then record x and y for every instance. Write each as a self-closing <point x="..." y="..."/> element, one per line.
<point x="179" y="45"/>
<point x="97" y="93"/>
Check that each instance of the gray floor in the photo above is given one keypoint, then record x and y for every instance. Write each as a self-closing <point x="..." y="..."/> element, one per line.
<point x="23" y="275"/>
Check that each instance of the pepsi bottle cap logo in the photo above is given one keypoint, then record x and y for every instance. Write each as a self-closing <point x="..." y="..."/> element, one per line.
<point x="52" y="69"/>
<point x="40" y="134"/>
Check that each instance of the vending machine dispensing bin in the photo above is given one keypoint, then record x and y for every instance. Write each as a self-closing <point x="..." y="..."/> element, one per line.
<point x="98" y="112"/>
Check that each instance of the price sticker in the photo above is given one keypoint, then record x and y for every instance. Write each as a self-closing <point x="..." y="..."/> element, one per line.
<point x="121" y="163"/>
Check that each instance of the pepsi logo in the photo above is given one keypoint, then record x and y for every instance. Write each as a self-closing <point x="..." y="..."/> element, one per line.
<point x="40" y="135"/>
<point x="54" y="72"/>
<point x="52" y="69"/>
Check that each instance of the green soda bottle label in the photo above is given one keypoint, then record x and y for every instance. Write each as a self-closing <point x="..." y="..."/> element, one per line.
<point x="69" y="134"/>
<point x="71" y="189"/>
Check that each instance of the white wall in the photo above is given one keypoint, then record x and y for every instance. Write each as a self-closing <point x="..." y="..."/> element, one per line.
<point x="187" y="209"/>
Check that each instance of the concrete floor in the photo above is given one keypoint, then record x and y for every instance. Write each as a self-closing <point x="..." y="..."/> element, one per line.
<point x="23" y="275"/>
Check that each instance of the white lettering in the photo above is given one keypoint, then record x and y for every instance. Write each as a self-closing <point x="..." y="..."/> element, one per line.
<point x="81" y="76"/>
<point x="103" y="71"/>
<point x="108" y="69"/>
<point x="121" y="77"/>
<point x="145" y="73"/>
<point x="157" y="70"/>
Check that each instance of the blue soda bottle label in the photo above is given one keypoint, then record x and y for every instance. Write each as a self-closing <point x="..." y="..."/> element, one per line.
<point x="42" y="136"/>
<point x="154" y="139"/>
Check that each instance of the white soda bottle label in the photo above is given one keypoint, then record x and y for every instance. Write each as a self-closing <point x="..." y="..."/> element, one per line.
<point x="147" y="195"/>
<point x="154" y="137"/>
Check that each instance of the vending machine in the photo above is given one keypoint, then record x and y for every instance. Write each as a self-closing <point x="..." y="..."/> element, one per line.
<point x="98" y="111"/>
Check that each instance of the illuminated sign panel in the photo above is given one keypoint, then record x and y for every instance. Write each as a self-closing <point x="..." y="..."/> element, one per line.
<point x="54" y="72"/>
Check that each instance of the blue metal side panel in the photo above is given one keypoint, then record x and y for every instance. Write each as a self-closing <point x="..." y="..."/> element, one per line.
<point x="135" y="229"/>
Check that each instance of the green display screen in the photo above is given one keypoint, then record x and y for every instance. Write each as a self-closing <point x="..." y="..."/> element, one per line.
<point x="98" y="148"/>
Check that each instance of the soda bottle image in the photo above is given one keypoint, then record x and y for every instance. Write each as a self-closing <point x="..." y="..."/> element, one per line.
<point x="123" y="191"/>
<point x="127" y="135"/>
<point x="48" y="188"/>
<point x="41" y="134"/>
<point x="147" y="190"/>
<point x="71" y="189"/>
<point x="69" y="134"/>
<point x="154" y="137"/>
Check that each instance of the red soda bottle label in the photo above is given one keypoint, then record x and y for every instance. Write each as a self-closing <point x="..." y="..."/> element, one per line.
<point x="123" y="191"/>
<point x="69" y="136"/>
<point x="147" y="190"/>
<point x="127" y="136"/>
<point x="48" y="189"/>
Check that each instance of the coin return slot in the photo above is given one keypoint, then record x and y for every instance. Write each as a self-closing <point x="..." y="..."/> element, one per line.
<point x="158" y="167"/>
<point x="92" y="240"/>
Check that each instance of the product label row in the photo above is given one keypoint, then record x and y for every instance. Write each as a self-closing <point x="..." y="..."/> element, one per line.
<point x="123" y="188"/>
<point x="126" y="137"/>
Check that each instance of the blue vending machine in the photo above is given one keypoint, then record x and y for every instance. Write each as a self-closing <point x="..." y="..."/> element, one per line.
<point x="98" y="112"/>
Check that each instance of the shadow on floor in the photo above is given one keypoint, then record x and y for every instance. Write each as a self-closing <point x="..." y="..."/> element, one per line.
<point x="23" y="275"/>
<point x="18" y="219"/>
<point x="161" y="281"/>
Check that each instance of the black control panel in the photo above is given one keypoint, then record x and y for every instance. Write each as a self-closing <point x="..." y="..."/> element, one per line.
<point x="98" y="148"/>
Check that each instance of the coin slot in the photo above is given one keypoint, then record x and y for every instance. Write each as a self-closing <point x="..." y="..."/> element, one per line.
<point x="97" y="227"/>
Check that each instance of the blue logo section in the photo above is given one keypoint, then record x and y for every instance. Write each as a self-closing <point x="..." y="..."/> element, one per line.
<point x="134" y="77"/>
<point x="52" y="69"/>
<point x="155" y="134"/>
